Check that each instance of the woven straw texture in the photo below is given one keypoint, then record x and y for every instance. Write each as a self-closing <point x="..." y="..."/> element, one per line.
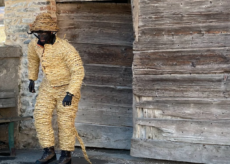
<point x="61" y="64"/>
<point x="44" y="22"/>
<point x="63" y="72"/>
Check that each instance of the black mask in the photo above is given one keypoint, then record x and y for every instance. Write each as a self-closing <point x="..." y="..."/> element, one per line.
<point x="45" y="37"/>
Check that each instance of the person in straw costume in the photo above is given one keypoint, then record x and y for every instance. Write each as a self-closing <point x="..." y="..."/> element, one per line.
<point x="63" y="73"/>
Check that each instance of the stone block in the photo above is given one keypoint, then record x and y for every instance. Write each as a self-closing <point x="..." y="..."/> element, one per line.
<point x="20" y="28"/>
<point x="27" y="20"/>
<point x="45" y="8"/>
<point x="20" y="4"/>
<point x="42" y="3"/>
<point x="26" y="42"/>
<point x="27" y="9"/>
<point x="23" y="36"/>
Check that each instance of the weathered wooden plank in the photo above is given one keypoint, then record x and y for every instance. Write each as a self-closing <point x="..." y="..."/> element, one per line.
<point x="96" y="8"/>
<point x="105" y="54"/>
<point x="207" y="61"/>
<point x="193" y="86"/>
<point x="89" y="15"/>
<point x="7" y="94"/>
<point x="102" y="33"/>
<point x="179" y="151"/>
<point x="93" y="34"/>
<point x="105" y="114"/>
<point x="171" y="13"/>
<point x="191" y="131"/>
<point x="135" y="15"/>
<point x="106" y="95"/>
<point x="14" y="119"/>
<point x="7" y="103"/>
<point x="10" y="51"/>
<point x="185" y="37"/>
<point x="81" y="23"/>
<point x="108" y="75"/>
<point x="105" y="136"/>
<point x="202" y="109"/>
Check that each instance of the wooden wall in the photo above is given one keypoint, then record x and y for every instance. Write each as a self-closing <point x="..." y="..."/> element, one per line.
<point x="103" y="34"/>
<point x="181" y="80"/>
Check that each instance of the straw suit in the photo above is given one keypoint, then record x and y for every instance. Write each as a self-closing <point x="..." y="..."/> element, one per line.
<point x="63" y="73"/>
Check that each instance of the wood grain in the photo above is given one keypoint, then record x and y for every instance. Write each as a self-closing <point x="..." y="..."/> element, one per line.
<point x="105" y="114"/>
<point x="106" y="95"/>
<point x="115" y="137"/>
<point x="14" y="119"/>
<point x="7" y="94"/>
<point x="7" y="103"/>
<point x="183" y="108"/>
<point x="191" y="131"/>
<point x="180" y="151"/>
<point x="177" y="13"/>
<point x="200" y="61"/>
<point x="108" y="75"/>
<point x="193" y="86"/>
<point x="103" y="35"/>
<point x="105" y="54"/>
<point x="180" y="80"/>
<point x="86" y="23"/>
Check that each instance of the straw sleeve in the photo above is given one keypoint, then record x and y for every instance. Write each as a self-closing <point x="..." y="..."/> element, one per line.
<point x="75" y="65"/>
<point x="33" y="62"/>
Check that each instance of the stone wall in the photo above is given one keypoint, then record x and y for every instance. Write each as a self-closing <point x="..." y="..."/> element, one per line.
<point x="18" y="15"/>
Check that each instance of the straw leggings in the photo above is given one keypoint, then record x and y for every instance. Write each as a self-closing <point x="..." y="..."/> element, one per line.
<point x="50" y="98"/>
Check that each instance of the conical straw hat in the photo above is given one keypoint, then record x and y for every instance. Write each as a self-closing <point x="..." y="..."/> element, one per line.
<point x="44" y="22"/>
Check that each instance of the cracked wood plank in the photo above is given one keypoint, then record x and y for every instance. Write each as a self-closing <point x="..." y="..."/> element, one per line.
<point x="190" y="131"/>
<point x="180" y="151"/>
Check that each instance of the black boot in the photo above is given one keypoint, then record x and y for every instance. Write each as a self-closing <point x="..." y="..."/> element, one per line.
<point x="65" y="157"/>
<point x="48" y="156"/>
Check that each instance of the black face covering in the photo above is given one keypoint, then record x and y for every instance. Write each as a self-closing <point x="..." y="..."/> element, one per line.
<point x="45" y="38"/>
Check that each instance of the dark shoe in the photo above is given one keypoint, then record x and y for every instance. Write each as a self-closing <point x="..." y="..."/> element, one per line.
<point x="48" y="156"/>
<point x="65" y="157"/>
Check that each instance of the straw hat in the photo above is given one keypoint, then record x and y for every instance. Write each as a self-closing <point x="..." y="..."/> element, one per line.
<point x="44" y="22"/>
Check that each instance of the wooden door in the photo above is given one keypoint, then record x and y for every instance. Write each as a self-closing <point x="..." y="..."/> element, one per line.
<point x="103" y="35"/>
<point x="181" y="80"/>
